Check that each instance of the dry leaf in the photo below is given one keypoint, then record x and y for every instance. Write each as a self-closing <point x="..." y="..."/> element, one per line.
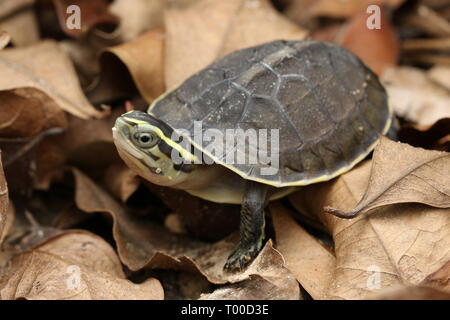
<point x="217" y="28"/>
<point x="94" y="15"/>
<point x="256" y="288"/>
<point x="384" y="48"/>
<point x="138" y="16"/>
<point x="401" y="244"/>
<point x="439" y="279"/>
<point x="4" y="39"/>
<point x="121" y="181"/>
<point x="401" y="173"/>
<point x="441" y="75"/>
<point x="74" y="265"/>
<point x="411" y="293"/>
<point x="141" y="243"/>
<point x="17" y="17"/>
<point x="82" y="139"/>
<point x="143" y="57"/>
<point x="3" y="203"/>
<point x="28" y="111"/>
<point x="413" y="96"/>
<point x="43" y="66"/>
<point x="429" y="21"/>
<point x="305" y="257"/>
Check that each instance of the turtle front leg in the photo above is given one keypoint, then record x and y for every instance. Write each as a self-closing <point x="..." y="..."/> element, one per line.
<point x="251" y="227"/>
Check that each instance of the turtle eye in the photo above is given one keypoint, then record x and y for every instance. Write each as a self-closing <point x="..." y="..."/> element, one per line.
<point x="146" y="139"/>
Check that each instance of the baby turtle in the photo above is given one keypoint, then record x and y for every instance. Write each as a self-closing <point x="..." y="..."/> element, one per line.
<point x="255" y="124"/>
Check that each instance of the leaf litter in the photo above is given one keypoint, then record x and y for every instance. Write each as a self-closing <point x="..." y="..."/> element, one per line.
<point x="68" y="204"/>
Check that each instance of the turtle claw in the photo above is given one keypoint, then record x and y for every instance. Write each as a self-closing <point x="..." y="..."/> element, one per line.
<point x="241" y="258"/>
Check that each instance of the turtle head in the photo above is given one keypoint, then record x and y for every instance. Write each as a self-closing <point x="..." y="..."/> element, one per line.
<point x="147" y="146"/>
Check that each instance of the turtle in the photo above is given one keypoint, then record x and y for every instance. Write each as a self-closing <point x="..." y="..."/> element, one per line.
<point x="324" y="108"/>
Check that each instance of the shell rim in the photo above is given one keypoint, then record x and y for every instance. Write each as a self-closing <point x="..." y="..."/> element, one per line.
<point x="297" y="183"/>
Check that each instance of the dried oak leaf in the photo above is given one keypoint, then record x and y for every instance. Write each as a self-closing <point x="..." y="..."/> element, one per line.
<point x="414" y="96"/>
<point x="74" y="265"/>
<point x="45" y="67"/>
<point x="94" y="15"/>
<point x="217" y="28"/>
<point x="397" y="244"/>
<point x="436" y="136"/>
<point x="138" y="16"/>
<point x="312" y="264"/>
<point x="143" y="244"/>
<point x="378" y="48"/>
<point x="142" y="58"/>
<point x="401" y="173"/>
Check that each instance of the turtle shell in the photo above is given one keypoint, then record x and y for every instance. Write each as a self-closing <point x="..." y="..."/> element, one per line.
<point x="328" y="107"/>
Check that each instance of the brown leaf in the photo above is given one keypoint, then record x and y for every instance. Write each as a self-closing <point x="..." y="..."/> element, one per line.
<point x="94" y="15"/>
<point x="440" y="278"/>
<point x="74" y="265"/>
<point x="401" y="173"/>
<point x="3" y="203"/>
<point x="142" y="243"/>
<point x="305" y="257"/>
<point x="4" y="39"/>
<point x="28" y="111"/>
<point x="143" y="57"/>
<point x="440" y="74"/>
<point x="121" y="181"/>
<point x="138" y="16"/>
<point x="377" y="48"/>
<point x="410" y="293"/>
<point x="9" y="7"/>
<point x="399" y="244"/>
<point x="76" y="146"/>
<point x="42" y="66"/>
<point x="18" y="18"/>
<point x="256" y="288"/>
<point x="413" y="96"/>
<point x="215" y="29"/>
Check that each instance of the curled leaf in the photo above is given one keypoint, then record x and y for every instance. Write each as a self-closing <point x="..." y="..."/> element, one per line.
<point x="401" y="173"/>
<point x="42" y="66"/>
<point x="394" y="245"/>
<point x="143" y="58"/>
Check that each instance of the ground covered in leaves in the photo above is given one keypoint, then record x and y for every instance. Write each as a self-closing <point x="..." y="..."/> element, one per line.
<point x="75" y="223"/>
